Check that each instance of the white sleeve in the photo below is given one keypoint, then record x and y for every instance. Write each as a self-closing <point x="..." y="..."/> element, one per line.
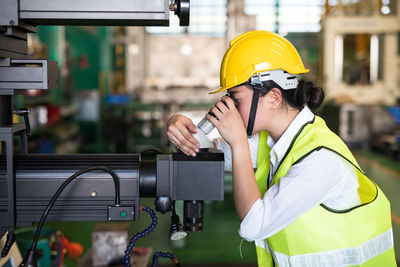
<point x="222" y="145"/>
<point x="253" y="144"/>
<point x="318" y="178"/>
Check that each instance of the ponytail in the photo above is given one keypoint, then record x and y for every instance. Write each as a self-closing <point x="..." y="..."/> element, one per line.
<point x="304" y="94"/>
<point x="308" y="94"/>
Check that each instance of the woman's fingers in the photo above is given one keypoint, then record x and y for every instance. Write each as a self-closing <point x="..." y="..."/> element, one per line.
<point x="190" y="125"/>
<point x="222" y="107"/>
<point x="182" y="147"/>
<point x="229" y="102"/>
<point x="187" y="144"/>
<point x="184" y="140"/>
<point x="216" y="112"/>
<point x="212" y="119"/>
<point x="228" y="121"/>
<point x="189" y="135"/>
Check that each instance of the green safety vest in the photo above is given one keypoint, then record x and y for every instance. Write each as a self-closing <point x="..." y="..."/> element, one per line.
<point x="360" y="236"/>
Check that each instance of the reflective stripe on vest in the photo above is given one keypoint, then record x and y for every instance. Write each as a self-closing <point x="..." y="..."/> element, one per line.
<point x="340" y="257"/>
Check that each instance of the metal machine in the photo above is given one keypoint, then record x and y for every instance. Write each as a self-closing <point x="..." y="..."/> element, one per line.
<point x="361" y="69"/>
<point x="28" y="182"/>
<point x="380" y="59"/>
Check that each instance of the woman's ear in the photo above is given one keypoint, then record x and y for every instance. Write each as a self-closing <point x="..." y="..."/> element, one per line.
<point x="274" y="98"/>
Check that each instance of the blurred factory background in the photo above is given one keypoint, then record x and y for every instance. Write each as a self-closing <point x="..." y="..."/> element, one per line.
<point x="119" y="85"/>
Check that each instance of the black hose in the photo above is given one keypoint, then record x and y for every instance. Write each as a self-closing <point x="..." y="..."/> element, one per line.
<point x="62" y="187"/>
<point x="152" y="149"/>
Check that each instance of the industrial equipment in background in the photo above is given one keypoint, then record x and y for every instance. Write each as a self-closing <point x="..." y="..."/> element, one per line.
<point x="361" y="71"/>
<point x="34" y="188"/>
<point x="361" y="60"/>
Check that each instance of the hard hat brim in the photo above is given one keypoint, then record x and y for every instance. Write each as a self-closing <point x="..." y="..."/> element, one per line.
<point x="220" y="90"/>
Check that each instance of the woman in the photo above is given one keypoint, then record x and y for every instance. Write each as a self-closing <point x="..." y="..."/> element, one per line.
<point x="308" y="203"/>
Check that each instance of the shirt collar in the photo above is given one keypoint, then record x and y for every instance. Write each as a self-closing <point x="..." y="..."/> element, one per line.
<point x="278" y="149"/>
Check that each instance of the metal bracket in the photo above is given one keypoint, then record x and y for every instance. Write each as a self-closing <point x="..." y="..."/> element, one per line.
<point x="29" y="74"/>
<point x="9" y="12"/>
<point x="24" y="112"/>
<point x="95" y="12"/>
<point x="7" y="217"/>
<point x="121" y="213"/>
<point x="256" y="80"/>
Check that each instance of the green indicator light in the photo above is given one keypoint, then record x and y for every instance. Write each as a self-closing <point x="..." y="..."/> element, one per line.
<point x="123" y="214"/>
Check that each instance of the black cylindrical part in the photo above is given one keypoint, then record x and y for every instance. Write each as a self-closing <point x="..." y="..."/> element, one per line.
<point x="147" y="178"/>
<point x="193" y="215"/>
<point x="38" y="176"/>
<point x="65" y="165"/>
<point x="5" y="110"/>
<point x="68" y="164"/>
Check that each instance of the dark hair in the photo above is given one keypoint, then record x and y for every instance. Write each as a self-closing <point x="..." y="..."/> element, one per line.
<point x="305" y="94"/>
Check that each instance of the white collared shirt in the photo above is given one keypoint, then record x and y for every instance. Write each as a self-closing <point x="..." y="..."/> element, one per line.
<point x="322" y="177"/>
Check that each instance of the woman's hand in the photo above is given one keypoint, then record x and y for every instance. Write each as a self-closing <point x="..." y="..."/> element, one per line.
<point x="180" y="130"/>
<point x="228" y="121"/>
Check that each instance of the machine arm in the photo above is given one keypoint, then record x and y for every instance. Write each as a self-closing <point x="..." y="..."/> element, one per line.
<point x="93" y="12"/>
<point x="19" y="17"/>
<point x="87" y="198"/>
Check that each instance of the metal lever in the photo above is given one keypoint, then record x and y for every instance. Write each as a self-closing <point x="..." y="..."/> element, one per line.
<point x="24" y="112"/>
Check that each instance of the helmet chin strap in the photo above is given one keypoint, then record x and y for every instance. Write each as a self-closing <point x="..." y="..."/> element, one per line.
<point x="272" y="79"/>
<point x="253" y="111"/>
<point x="258" y="87"/>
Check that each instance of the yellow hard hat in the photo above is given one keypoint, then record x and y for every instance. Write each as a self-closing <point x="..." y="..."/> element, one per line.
<point x="255" y="52"/>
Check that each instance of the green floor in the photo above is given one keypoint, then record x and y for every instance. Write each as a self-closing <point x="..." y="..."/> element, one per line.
<point x="219" y="241"/>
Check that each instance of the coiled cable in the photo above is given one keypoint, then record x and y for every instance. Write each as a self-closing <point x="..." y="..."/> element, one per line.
<point x="143" y="234"/>
<point x="164" y="255"/>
